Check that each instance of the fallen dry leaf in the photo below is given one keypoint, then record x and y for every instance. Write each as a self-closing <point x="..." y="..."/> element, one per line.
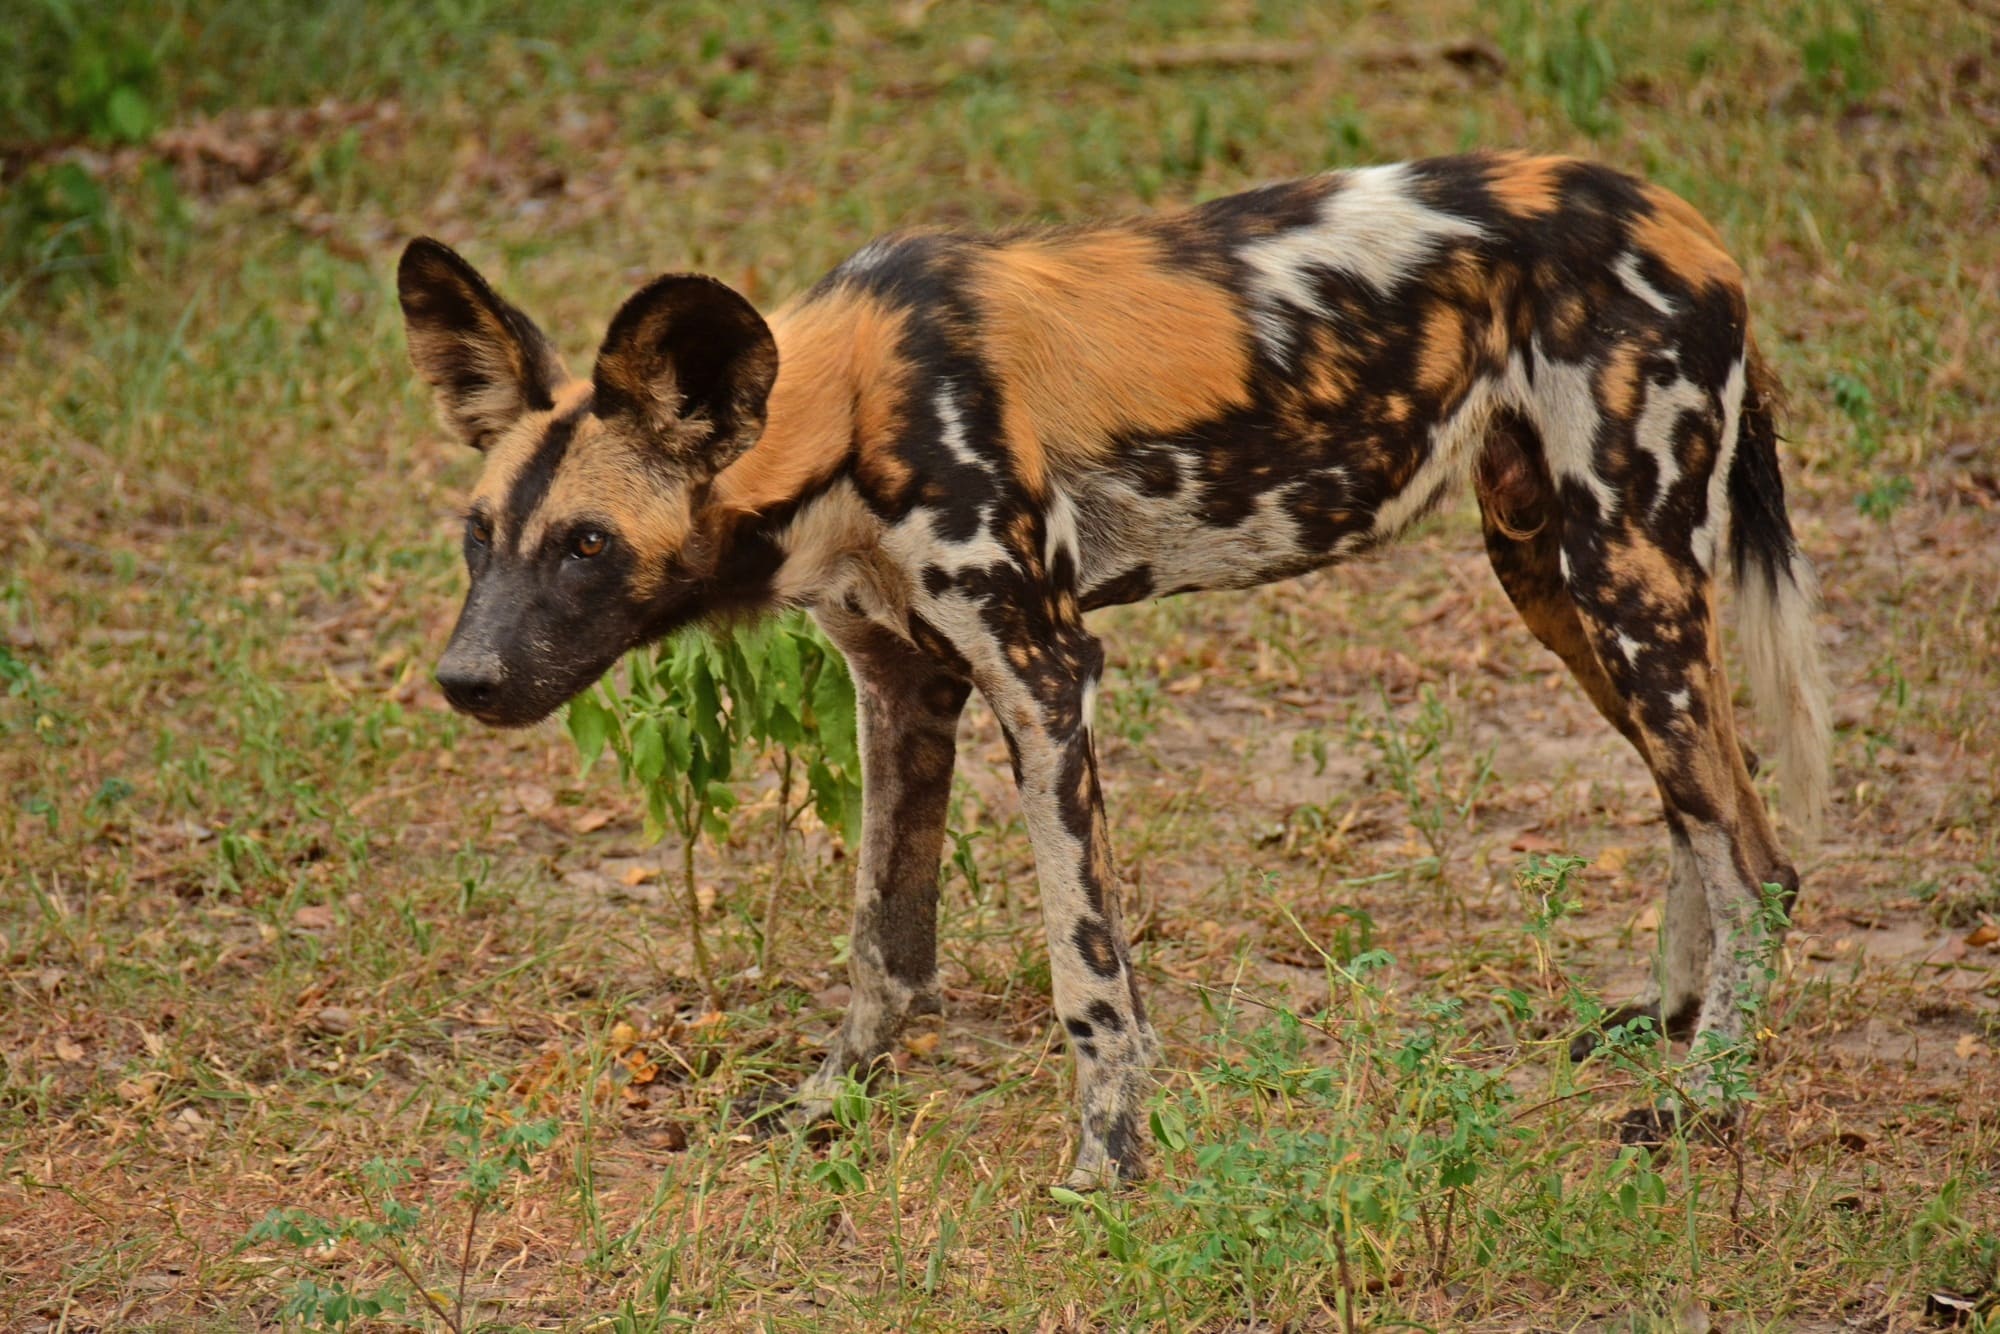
<point x="333" y="1020"/>
<point x="638" y="1067"/>
<point x="142" y="1088"/>
<point x="1613" y="859"/>
<point x="313" y="917"/>
<point x="921" y="1044"/>
<point x="639" y="875"/>
<point x="540" y="1073"/>
<point x="66" y="1050"/>
<point x="669" y="1138"/>
<point x="1986" y="933"/>
<point x="587" y="822"/>
<point x="1968" y="1046"/>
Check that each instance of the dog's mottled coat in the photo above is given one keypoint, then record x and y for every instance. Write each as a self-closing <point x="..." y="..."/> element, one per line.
<point x="954" y="446"/>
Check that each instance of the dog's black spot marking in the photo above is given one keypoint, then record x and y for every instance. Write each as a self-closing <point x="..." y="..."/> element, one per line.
<point x="1096" y="946"/>
<point x="1122" y="1143"/>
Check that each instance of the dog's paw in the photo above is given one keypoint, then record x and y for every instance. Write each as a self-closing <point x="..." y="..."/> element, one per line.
<point x="1654" y="1128"/>
<point x="765" y="1111"/>
<point x="1641" y="1023"/>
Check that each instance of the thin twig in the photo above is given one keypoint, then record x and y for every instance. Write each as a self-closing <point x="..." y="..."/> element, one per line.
<point x="1444" y="1260"/>
<point x="1237" y="993"/>
<point x="1346" y="1282"/>
<point x="1465" y="52"/>
<point x="785" y="818"/>
<point x="1734" y="1143"/>
<point x="1609" y="1086"/>
<point x="410" y="1278"/>
<point x="76" y="546"/>
<point x="465" y="1256"/>
<point x="704" y="974"/>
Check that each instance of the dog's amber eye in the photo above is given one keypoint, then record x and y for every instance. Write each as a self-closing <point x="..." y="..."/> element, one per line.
<point x="479" y="530"/>
<point x="589" y="544"/>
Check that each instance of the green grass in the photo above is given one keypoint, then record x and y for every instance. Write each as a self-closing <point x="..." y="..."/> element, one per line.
<point x="270" y="912"/>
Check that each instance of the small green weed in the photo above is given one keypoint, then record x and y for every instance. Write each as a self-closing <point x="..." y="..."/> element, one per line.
<point x="1355" y="1158"/>
<point x="491" y="1148"/>
<point x="1965" y="904"/>
<point x="29" y="701"/>
<point x="1438" y="795"/>
<point x="1856" y="402"/>
<point x="1133" y="709"/>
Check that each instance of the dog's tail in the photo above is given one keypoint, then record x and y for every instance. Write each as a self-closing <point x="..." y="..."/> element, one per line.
<point x="1777" y="597"/>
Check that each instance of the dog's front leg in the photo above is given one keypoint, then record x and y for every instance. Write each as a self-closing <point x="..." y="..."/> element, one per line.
<point x="1046" y="711"/>
<point x="908" y="707"/>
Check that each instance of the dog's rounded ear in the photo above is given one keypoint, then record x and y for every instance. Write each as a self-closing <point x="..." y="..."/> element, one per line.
<point x="487" y="362"/>
<point x="689" y="365"/>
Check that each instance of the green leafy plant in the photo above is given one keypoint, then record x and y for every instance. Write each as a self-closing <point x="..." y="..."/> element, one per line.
<point x="30" y="704"/>
<point x="1439" y="797"/>
<point x="60" y="223"/>
<point x="491" y="1148"/>
<point x="1881" y="501"/>
<point x="1355" y="1171"/>
<point x="1133" y="710"/>
<point x="840" y="1172"/>
<point x="1385" y="1144"/>
<point x="1856" y="402"/>
<point x="698" y="707"/>
<point x="80" y="71"/>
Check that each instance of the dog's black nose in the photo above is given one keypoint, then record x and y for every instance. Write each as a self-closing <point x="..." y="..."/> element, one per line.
<point x="471" y="687"/>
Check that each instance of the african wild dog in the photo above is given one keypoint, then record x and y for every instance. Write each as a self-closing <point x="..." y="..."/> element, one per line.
<point x="954" y="446"/>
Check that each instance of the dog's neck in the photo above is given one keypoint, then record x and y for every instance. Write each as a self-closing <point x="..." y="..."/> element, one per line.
<point x="783" y="517"/>
<point x="810" y="424"/>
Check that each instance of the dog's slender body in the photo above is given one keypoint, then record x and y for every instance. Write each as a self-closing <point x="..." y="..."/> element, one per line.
<point x="953" y="447"/>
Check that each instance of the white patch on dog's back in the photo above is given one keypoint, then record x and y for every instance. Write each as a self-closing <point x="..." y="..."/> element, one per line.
<point x="1370" y="227"/>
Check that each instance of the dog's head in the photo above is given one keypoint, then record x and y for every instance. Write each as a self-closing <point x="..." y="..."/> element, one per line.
<point x="583" y="537"/>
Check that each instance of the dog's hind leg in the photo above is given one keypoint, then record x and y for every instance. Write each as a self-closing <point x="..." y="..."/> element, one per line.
<point x="1647" y="607"/>
<point x="1523" y="529"/>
